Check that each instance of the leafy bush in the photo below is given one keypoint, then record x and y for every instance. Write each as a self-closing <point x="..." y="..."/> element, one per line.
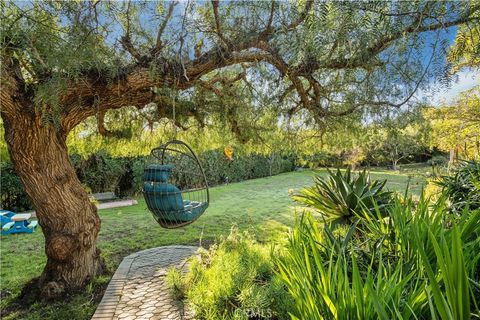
<point x="234" y="279"/>
<point x="463" y="187"/>
<point x="100" y="172"/>
<point x="13" y="196"/>
<point x="123" y="175"/>
<point x="417" y="264"/>
<point x="437" y="161"/>
<point x="320" y="159"/>
<point x="341" y="195"/>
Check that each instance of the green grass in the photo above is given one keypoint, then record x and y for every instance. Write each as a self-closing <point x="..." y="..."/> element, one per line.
<point x="262" y="205"/>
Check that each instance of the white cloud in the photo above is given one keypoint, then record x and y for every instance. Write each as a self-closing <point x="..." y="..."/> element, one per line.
<point x="465" y="80"/>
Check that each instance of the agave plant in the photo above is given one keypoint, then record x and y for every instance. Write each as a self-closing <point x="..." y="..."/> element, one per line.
<point x="463" y="187"/>
<point x="342" y="195"/>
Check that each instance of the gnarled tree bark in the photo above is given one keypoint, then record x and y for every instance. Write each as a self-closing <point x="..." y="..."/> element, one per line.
<point x="69" y="221"/>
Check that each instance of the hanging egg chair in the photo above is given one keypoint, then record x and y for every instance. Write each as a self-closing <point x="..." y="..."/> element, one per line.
<point x="174" y="185"/>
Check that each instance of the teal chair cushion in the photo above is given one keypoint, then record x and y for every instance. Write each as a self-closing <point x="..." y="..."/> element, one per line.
<point x="157" y="172"/>
<point x="190" y="213"/>
<point x="163" y="196"/>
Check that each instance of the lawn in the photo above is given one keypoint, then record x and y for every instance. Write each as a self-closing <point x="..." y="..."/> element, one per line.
<point x="261" y="205"/>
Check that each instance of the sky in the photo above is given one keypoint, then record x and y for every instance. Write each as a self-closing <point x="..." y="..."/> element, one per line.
<point x="438" y="94"/>
<point x="466" y="79"/>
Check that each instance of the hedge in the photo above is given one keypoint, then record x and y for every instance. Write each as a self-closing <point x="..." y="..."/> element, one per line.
<point x="102" y="173"/>
<point x="13" y="196"/>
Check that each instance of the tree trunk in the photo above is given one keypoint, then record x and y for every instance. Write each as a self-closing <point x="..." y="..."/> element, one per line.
<point x="395" y="165"/>
<point x="69" y="220"/>
<point x="271" y="159"/>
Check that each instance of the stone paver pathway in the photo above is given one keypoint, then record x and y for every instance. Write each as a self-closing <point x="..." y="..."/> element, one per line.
<point x="137" y="289"/>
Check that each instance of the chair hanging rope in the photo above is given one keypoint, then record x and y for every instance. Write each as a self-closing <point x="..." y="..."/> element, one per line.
<point x="175" y="187"/>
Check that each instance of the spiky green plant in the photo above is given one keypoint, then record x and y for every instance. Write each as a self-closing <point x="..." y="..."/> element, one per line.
<point x="463" y="187"/>
<point x="337" y="287"/>
<point x="417" y="264"/>
<point x="340" y="195"/>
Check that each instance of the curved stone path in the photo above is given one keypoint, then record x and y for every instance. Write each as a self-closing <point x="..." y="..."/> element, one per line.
<point x="137" y="289"/>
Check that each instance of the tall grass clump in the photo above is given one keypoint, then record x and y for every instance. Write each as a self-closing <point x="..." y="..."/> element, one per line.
<point x="233" y="279"/>
<point x="418" y="263"/>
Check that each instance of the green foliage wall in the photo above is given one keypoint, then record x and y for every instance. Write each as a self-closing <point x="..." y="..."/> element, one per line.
<point x="100" y="172"/>
<point x="13" y="195"/>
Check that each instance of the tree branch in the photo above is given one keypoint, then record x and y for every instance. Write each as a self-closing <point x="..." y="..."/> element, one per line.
<point x="210" y="85"/>
<point x="217" y="21"/>
<point x="134" y="88"/>
<point x="159" y="43"/>
<point x="102" y="130"/>
<point x="366" y="55"/>
<point x="303" y="15"/>
<point x="126" y="41"/>
<point x="13" y="92"/>
<point x="270" y="18"/>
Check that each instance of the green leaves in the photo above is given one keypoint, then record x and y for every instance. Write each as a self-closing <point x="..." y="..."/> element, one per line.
<point x="423" y="273"/>
<point x="342" y="195"/>
<point x="450" y="287"/>
<point x="463" y="187"/>
<point x="325" y="285"/>
<point x="234" y="279"/>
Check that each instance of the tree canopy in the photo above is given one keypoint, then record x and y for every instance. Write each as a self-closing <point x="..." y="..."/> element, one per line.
<point x="457" y="127"/>
<point x="80" y="59"/>
<point x="465" y="53"/>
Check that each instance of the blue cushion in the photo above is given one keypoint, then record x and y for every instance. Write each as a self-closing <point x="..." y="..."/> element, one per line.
<point x="191" y="212"/>
<point x="163" y="197"/>
<point x="157" y="172"/>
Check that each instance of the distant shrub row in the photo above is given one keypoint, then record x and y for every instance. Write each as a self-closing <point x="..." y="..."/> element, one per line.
<point x="371" y="158"/>
<point x="101" y="173"/>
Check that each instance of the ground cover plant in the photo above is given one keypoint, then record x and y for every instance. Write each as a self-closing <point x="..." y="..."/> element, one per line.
<point x="233" y="279"/>
<point x="262" y="206"/>
<point x="417" y="261"/>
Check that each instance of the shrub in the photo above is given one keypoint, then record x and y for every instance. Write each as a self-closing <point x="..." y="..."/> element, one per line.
<point x="124" y="175"/>
<point x="437" y="161"/>
<point x="353" y="156"/>
<point x="342" y="195"/>
<point x="234" y="279"/>
<point x="417" y="264"/>
<point x="463" y="187"/>
<point x="100" y="172"/>
<point x="320" y="159"/>
<point x="13" y="196"/>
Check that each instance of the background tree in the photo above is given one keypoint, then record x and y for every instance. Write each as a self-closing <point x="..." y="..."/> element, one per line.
<point x="403" y="135"/>
<point x="399" y="145"/>
<point x="465" y="53"/>
<point x="456" y="128"/>
<point x="63" y="62"/>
